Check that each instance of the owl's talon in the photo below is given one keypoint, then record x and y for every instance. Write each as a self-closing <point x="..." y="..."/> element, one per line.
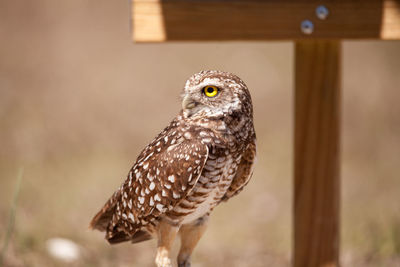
<point x="184" y="263"/>
<point x="162" y="259"/>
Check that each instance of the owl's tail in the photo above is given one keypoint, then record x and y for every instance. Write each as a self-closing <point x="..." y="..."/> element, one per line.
<point x="139" y="236"/>
<point x="102" y="220"/>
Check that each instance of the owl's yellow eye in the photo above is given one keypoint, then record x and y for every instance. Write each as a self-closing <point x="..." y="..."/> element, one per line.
<point x="210" y="91"/>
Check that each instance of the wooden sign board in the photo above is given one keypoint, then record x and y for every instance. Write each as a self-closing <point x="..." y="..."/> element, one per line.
<point x="205" y="20"/>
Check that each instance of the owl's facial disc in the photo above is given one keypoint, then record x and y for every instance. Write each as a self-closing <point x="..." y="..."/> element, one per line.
<point x="213" y="94"/>
<point x="207" y="100"/>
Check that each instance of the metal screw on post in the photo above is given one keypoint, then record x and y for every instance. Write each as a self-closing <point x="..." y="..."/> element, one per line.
<point x="322" y="12"/>
<point x="307" y="27"/>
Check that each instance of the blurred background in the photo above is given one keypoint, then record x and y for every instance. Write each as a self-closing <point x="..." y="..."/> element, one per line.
<point x="79" y="100"/>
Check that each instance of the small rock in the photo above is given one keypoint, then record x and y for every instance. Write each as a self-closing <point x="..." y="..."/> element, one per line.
<point x="63" y="249"/>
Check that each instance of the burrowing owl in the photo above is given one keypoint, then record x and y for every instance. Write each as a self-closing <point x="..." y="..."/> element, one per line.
<point x="205" y="156"/>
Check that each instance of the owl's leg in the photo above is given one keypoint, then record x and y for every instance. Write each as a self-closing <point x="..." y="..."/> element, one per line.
<point x="190" y="235"/>
<point x="166" y="237"/>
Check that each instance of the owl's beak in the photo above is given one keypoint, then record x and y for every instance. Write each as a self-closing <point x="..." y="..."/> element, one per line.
<point x="188" y="103"/>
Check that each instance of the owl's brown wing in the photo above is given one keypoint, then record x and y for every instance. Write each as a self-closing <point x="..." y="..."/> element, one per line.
<point x="244" y="171"/>
<point x="164" y="174"/>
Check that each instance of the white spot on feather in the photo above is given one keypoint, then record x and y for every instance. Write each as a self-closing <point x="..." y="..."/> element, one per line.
<point x="164" y="193"/>
<point x="148" y="156"/>
<point x="171" y="178"/>
<point x="141" y="200"/>
<point x="207" y="140"/>
<point x="203" y="134"/>
<point x="152" y="185"/>
<point x="160" y="207"/>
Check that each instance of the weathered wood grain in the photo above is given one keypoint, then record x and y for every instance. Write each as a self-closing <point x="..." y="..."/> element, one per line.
<point x="205" y="20"/>
<point x="316" y="163"/>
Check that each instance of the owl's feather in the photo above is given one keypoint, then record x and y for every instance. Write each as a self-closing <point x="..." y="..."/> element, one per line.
<point x="165" y="173"/>
<point x="244" y="172"/>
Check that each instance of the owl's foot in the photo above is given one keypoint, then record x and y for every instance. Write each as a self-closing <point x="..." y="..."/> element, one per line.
<point x="184" y="262"/>
<point x="162" y="258"/>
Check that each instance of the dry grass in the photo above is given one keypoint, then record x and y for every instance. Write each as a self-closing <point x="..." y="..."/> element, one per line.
<point x="79" y="100"/>
<point x="11" y="222"/>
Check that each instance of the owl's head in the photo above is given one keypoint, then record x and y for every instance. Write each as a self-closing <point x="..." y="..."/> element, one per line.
<point x="214" y="94"/>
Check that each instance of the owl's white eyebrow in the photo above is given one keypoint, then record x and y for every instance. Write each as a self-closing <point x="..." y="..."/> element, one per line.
<point x="208" y="82"/>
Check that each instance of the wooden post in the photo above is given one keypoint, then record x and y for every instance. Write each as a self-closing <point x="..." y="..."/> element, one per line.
<point x="316" y="162"/>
